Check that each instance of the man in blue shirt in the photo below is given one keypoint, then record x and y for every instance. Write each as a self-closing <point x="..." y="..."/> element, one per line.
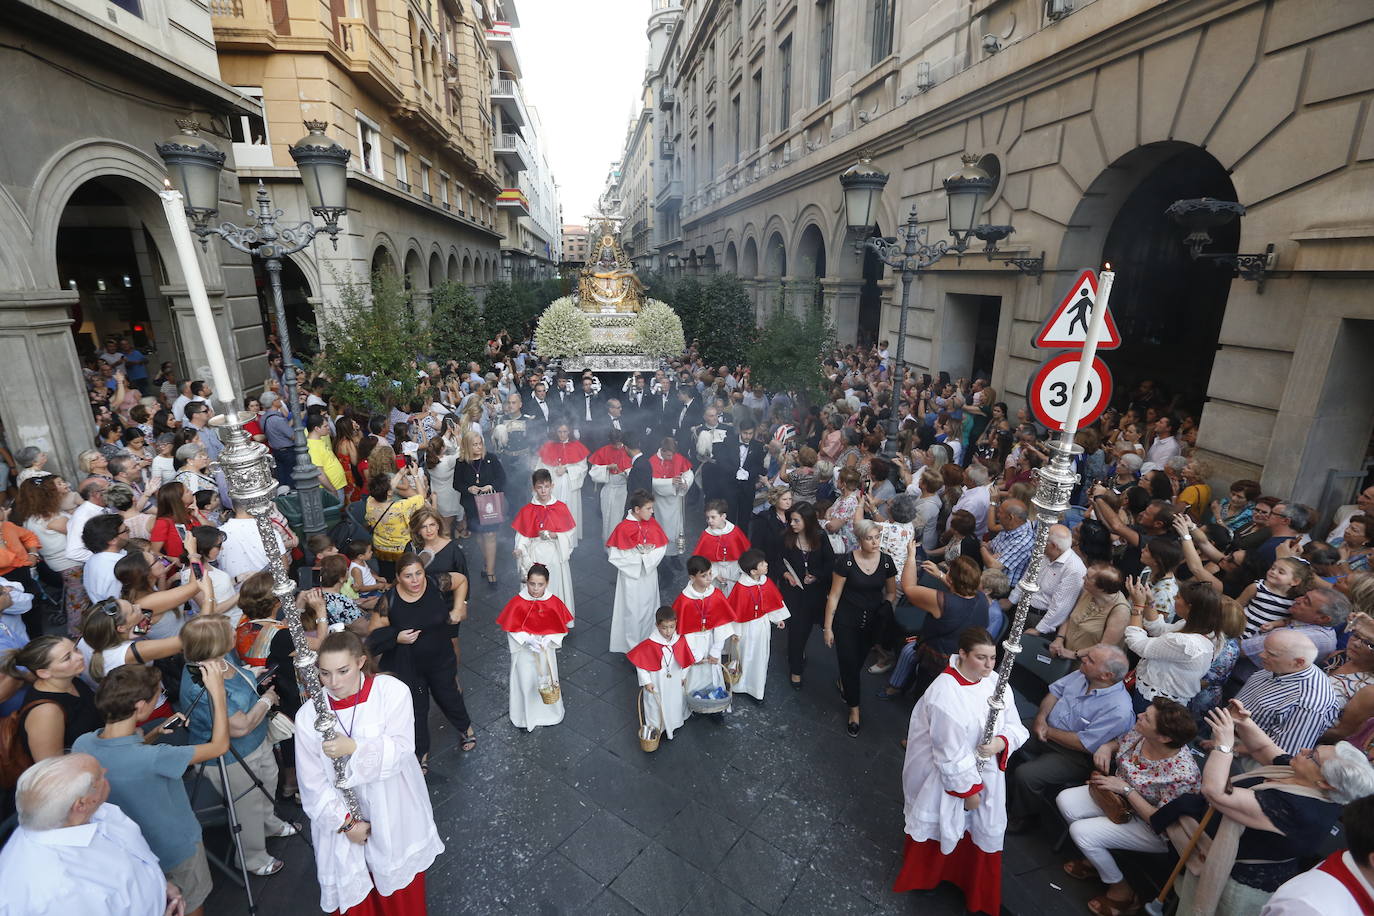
<point x="145" y="779"/>
<point x="135" y="365"/>
<point x="1083" y="711"/>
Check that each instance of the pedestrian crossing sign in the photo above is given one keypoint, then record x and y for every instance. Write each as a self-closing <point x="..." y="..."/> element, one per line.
<point x="1067" y="327"/>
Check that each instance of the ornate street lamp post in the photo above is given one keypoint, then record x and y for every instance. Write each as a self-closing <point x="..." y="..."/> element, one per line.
<point x="863" y="185"/>
<point x="195" y="165"/>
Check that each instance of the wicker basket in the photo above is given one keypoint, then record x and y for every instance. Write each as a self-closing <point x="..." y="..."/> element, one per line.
<point x="732" y="661"/>
<point x="648" y="735"/>
<point x="549" y="690"/>
<point x="704" y="706"/>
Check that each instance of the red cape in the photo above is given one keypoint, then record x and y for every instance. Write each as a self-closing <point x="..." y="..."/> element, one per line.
<point x="630" y="533"/>
<point x="648" y="655"/>
<point x="721" y="547"/>
<point x="534" y="518"/>
<point x="697" y="615"/>
<point x="557" y="454"/>
<point x="669" y="469"/>
<point x="750" y="602"/>
<point x="546" y="617"/>
<point x="612" y="455"/>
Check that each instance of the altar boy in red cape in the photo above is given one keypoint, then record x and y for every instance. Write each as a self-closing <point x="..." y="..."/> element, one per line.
<point x="566" y="460"/>
<point x="544" y="530"/>
<point x="535" y="622"/>
<point x="635" y="549"/>
<point x="755" y="603"/>
<point x="723" y="543"/>
<point x="672" y="479"/>
<point x="705" y="621"/>
<point x="662" y="662"/>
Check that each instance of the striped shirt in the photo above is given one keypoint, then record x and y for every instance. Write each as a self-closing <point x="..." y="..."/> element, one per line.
<point x="1293" y="709"/>
<point x="1013" y="547"/>
<point x="1264" y="607"/>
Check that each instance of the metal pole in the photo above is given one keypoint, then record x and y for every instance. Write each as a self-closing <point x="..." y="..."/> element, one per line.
<point x="252" y="486"/>
<point x="899" y="368"/>
<point x="1051" y="501"/>
<point x="305" y="474"/>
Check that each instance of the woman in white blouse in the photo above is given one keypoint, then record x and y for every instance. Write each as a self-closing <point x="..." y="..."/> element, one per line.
<point x="1173" y="656"/>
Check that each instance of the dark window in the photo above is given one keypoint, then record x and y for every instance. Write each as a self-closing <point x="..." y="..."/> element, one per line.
<point x="881" y="14"/>
<point x="785" y="81"/>
<point x="711" y="152"/>
<point x="825" y="10"/>
<point x="735" y="123"/>
<point x="758" y="108"/>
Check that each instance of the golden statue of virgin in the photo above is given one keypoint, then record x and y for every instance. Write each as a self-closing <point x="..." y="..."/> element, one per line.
<point x="608" y="284"/>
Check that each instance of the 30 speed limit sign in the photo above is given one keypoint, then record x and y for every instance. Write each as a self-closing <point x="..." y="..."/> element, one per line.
<point x="1052" y="385"/>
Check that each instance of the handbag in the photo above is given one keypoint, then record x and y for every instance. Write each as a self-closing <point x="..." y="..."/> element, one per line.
<point x="491" y="508"/>
<point x="279" y="727"/>
<point x="1114" y="807"/>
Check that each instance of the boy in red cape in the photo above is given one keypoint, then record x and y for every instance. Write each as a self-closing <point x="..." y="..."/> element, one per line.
<point x="610" y="467"/>
<point x="661" y="663"/>
<point x="755" y="603"/>
<point x="535" y="622"/>
<point x="566" y="461"/>
<point x="544" y="531"/>
<point x="672" y="479"/>
<point x="705" y="621"/>
<point x="723" y="543"/>
<point x="635" y="548"/>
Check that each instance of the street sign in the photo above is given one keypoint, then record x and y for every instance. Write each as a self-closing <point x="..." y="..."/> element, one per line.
<point x="1068" y="325"/>
<point x="1051" y="385"/>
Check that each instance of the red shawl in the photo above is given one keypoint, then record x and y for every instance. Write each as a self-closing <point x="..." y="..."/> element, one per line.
<point x="547" y="616"/>
<point x="666" y="470"/>
<point x="349" y="702"/>
<point x="631" y="533"/>
<point x="612" y="455"/>
<point x="557" y="454"/>
<point x="698" y="615"/>
<point x="648" y="655"/>
<point x="750" y="602"/>
<point x="721" y="547"/>
<point x="534" y="518"/>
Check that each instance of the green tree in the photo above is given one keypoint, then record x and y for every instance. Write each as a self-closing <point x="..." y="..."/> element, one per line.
<point x="684" y="295"/>
<point x="371" y="342"/>
<point x="726" y="329"/>
<point x="456" y="328"/>
<point x="786" y="355"/>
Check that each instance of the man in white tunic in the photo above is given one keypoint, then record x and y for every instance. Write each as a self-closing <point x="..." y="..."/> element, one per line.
<point x="544" y="533"/>
<point x="672" y="479"/>
<point x="955" y="791"/>
<point x="635" y="549"/>
<point x="610" y="467"/>
<point x="535" y="622"/>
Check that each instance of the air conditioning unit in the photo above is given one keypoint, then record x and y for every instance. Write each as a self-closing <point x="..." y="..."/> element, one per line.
<point x="1057" y="9"/>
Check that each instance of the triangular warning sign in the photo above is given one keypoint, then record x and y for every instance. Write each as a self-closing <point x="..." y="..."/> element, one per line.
<point x="1067" y="327"/>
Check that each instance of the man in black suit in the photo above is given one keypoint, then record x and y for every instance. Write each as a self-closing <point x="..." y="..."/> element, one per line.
<point x="543" y="411"/>
<point x="586" y="410"/>
<point x="714" y="445"/>
<point x="612" y="419"/>
<point x="751" y="458"/>
<point x="641" y="476"/>
<point x="640" y="412"/>
<point x="688" y="415"/>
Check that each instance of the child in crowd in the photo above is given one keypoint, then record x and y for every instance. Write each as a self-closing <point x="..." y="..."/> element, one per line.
<point x="635" y="548"/>
<point x="705" y="621"/>
<point x="661" y="663"/>
<point x="360" y="576"/>
<point x="535" y="621"/>
<point x="755" y="603"/>
<point x="723" y="543"/>
<point x="1267" y="600"/>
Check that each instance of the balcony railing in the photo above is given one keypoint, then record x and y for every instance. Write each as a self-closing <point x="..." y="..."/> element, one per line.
<point x="513" y="150"/>
<point x="368" y="58"/>
<point x="452" y="60"/>
<point x="666" y="149"/>
<point x="506" y="93"/>
<point x="667" y="98"/>
<point x="669" y="195"/>
<point x="403" y="185"/>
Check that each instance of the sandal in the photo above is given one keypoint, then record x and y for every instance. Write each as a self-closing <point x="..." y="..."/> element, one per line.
<point x="424" y="765"/>
<point x="469" y="741"/>
<point x="1081" y="869"/>
<point x="1104" y="905"/>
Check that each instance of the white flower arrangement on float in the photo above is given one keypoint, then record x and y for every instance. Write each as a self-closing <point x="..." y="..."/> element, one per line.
<point x="564" y="330"/>
<point x="658" y="330"/>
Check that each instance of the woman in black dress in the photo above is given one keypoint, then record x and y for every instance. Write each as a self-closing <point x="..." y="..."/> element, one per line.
<point x="768" y="528"/>
<point x="58" y="706"/>
<point x="804" y="579"/>
<point x="440" y="554"/>
<point x="477" y="472"/>
<point x="419" y="613"/>
<point x="863" y="579"/>
<point x="950" y="610"/>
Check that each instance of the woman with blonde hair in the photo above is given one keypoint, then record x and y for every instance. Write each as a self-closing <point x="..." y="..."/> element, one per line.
<point x="479" y="473"/>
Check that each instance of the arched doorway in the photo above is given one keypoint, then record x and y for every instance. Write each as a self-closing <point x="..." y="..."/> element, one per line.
<point x="731" y="258"/>
<point x="810" y="263"/>
<point x="106" y="254"/>
<point x="295" y="297"/>
<point x="708" y="260"/>
<point x="749" y="263"/>
<point x="383" y="262"/>
<point x="1168" y="307"/>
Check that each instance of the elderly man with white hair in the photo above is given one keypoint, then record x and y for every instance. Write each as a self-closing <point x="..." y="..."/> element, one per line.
<point x="1291" y="699"/>
<point x="976" y="498"/>
<point x="74" y="853"/>
<point x="1061" y="581"/>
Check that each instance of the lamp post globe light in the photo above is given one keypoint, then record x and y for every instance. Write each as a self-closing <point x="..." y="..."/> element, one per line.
<point x="194" y="165"/>
<point x="863" y="185"/>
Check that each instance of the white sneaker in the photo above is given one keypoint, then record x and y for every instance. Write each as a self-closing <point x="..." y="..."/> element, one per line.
<point x="287" y="829"/>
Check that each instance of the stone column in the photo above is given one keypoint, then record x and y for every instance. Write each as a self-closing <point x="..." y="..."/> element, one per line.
<point x="188" y="334"/>
<point x="45" y="402"/>
<point x="842" y="306"/>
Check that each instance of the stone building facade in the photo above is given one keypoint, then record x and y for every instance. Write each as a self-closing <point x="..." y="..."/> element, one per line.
<point x="85" y="253"/>
<point x="1092" y="117"/>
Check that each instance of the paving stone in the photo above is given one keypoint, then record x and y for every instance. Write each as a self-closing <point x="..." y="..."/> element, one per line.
<point x="814" y="894"/>
<point x="657" y="881"/>
<point x="552" y="886"/>
<point x="715" y="899"/>
<point x="604" y="845"/>
<point x="795" y="827"/>
<point x="760" y="872"/>
<point x="643" y="801"/>
<point x="609" y="903"/>
<point x="700" y="836"/>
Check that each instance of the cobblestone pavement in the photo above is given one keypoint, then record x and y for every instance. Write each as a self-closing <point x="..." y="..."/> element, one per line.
<point x="773" y="810"/>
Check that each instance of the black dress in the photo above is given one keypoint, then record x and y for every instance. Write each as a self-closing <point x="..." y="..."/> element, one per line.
<point x="858" y="617"/>
<point x="427" y="666"/>
<point x="449" y="559"/>
<point x="807" y="603"/>
<point x="79" y="712"/>
<point x="485" y="472"/>
<point x="766" y="533"/>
